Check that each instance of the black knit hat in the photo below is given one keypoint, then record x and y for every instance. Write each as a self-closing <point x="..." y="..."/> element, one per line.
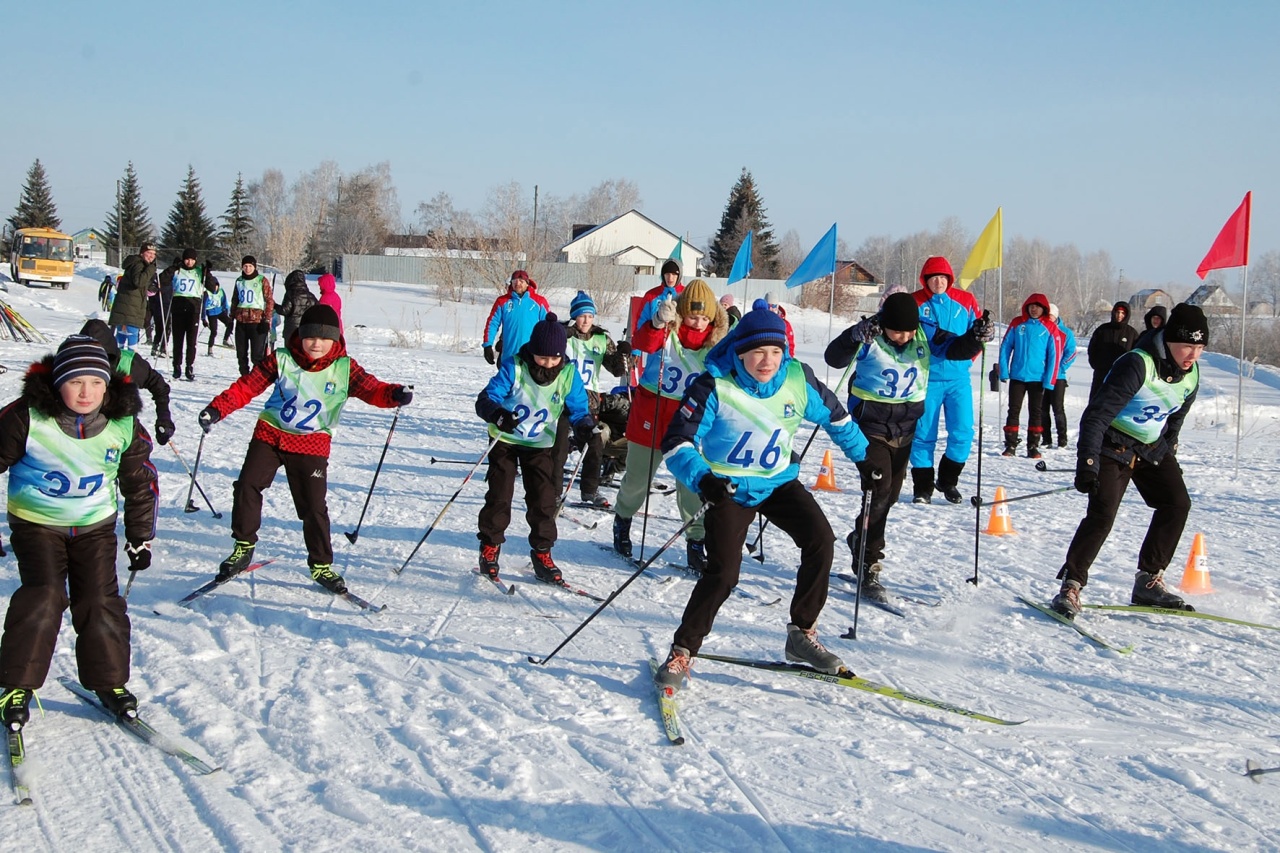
<point x="671" y="266"/>
<point x="549" y="337"/>
<point x="249" y="259"/>
<point x="1187" y="325"/>
<point x="900" y="313"/>
<point x="320" y="321"/>
<point x="80" y="355"/>
<point x="188" y="254"/>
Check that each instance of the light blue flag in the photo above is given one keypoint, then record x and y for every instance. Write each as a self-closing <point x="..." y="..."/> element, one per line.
<point x="675" y="253"/>
<point x="741" y="261"/>
<point x="820" y="263"/>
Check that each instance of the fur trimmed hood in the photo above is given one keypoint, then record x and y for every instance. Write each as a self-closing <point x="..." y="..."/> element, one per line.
<point x="121" y="400"/>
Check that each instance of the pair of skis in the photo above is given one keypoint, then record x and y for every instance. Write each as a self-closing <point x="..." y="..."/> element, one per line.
<point x="209" y="587"/>
<point x="563" y="586"/>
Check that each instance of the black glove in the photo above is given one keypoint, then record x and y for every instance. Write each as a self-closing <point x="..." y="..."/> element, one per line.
<point x="868" y="474"/>
<point x="1086" y="478"/>
<point x="867" y="330"/>
<point x="139" y="553"/>
<point x="582" y="432"/>
<point x="715" y="489"/>
<point x="402" y="396"/>
<point x="490" y="356"/>
<point x="164" y="430"/>
<point x="505" y="421"/>
<point x="984" y="330"/>
<point x="208" y="417"/>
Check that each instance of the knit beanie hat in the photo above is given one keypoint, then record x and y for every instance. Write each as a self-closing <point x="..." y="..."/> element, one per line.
<point x="760" y="329"/>
<point x="548" y="338"/>
<point x="581" y="304"/>
<point x="671" y="266"/>
<point x="80" y="355"/>
<point x="1053" y="310"/>
<point x="937" y="265"/>
<point x="250" y="260"/>
<point x="1187" y="325"/>
<point x="697" y="298"/>
<point x="520" y="275"/>
<point x="726" y="301"/>
<point x="320" y="321"/>
<point x="188" y="254"/>
<point x="900" y="313"/>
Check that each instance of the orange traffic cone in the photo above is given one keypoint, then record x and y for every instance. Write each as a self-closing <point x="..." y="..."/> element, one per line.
<point x="826" y="476"/>
<point x="999" y="523"/>
<point x="1195" y="577"/>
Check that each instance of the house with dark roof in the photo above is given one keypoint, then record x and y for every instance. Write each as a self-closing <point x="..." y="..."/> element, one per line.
<point x="1213" y="300"/>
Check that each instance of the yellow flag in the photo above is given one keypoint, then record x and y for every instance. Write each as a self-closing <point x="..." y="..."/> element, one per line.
<point x="988" y="252"/>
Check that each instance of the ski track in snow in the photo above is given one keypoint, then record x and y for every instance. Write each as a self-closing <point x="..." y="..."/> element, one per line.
<point x="423" y="727"/>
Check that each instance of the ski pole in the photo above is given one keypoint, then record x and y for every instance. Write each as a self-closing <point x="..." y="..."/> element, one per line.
<point x="1043" y="468"/>
<point x="128" y="586"/>
<point x="639" y="571"/>
<point x="445" y="509"/>
<point x="572" y="477"/>
<point x="653" y="440"/>
<point x="191" y="507"/>
<point x="852" y="633"/>
<point x="353" y="536"/>
<point x="1255" y="770"/>
<point x="977" y="501"/>
<point x="977" y="509"/>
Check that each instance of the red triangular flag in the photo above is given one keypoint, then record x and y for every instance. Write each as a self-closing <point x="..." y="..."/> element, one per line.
<point x="1231" y="249"/>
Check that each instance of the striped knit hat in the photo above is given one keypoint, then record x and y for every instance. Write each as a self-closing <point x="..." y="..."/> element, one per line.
<point x="80" y="355"/>
<point x="581" y="304"/>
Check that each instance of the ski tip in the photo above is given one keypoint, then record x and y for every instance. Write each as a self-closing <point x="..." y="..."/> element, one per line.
<point x="511" y="589"/>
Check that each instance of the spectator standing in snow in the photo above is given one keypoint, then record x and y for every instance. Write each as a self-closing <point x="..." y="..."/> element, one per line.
<point x="1108" y="342"/>
<point x="512" y="317"/>
<point x="1029" y="357"/>
<point x="1054" y="411"/>
<point x="251" y="308"/>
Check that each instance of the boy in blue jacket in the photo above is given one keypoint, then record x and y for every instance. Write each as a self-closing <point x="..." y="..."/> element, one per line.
<point x="731" y="441"/>
<point x="1029" y="357"/>
<point x="522" y="404"/>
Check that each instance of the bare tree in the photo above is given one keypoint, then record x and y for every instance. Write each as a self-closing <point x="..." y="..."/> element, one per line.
<point x="363" y="213"/>
<point x="1264" y="280"/>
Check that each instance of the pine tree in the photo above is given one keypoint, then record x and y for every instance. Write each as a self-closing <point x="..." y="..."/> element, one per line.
<point x="35" y="206"/>
<point x="189" y="227"/>
<point x="745" y="212"/>
<point x="130" y="223"/>
<point x="236" y="234"/>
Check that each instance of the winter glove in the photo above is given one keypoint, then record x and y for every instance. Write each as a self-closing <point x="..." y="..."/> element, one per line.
<point x="715" y="489"/>
<point x="868" y="474"/>
<point x="1086" y="478"/>
<point x="582" y="432"/>
<point x="665" y="314"/>
<point x="164" y="430"/>
<point x="139" y="553"/>
<point x="866" y="331"/>
<point x="402" y="396"/>
<point x="984" y="330"/>
<point x="490" y="356"/>
<point x="208" y="417"/>
<point x="505" y="421"/>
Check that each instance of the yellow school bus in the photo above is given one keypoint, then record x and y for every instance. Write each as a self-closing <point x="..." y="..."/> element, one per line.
<point x="41" y="255"/>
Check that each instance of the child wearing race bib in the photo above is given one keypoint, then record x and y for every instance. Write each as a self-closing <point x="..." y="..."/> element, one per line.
<point x="311" y="379"/>
<point x="522" y="404"/>
<point x="1129" y="431"/>
<point x="188" y="282"/>
<point x="73" y="445"/>
<point x="677" y="339"/>
<point x="732" y="441"/>
<point x="892" y="353"/>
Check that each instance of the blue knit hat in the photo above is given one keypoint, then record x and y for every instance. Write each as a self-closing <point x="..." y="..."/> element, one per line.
<point x="581" y="304"/>
<point x="760" y="328"/>
<point x="548" y="338"/>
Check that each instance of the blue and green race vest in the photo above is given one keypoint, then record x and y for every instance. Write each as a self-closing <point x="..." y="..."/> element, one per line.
<point x="536" y="407"/>
<point x="885" y="375"/>
<point x="680" y="366"/>
<point x="124" y="366"/>
<point x="587" y="357"/>
<point x="186" y="282"/>
<point x="65" y="481"/>
<point x="751" y="436"/>
<point x="249" y="293"/>
<point x="304" y="401"/>
<point x="1144" y="415"/>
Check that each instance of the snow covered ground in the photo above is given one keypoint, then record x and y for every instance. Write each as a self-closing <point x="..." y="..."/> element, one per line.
<point x="425" y="728"/>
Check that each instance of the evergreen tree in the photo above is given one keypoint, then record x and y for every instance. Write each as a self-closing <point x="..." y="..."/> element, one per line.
<point x="129" y="224"/>
<point x="189" y="227"/>
<point x="745" y="212"/>
<point x="236" y="234"/>
<point x="35" y="206"/>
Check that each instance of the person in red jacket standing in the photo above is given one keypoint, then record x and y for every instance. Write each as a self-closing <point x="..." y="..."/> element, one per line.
<point x="311" y="379"/>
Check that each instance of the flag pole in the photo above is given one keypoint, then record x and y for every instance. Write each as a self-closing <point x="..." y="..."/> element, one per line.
<point x="1244" y="315"/>
<point x="831" y="316"/>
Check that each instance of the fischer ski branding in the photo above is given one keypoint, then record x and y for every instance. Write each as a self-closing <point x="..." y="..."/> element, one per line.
<point x="668" y="707"/>
<point x="18" y="755"/>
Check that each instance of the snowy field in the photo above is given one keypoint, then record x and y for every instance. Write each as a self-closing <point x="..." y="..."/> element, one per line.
<point x="424" y="727"/>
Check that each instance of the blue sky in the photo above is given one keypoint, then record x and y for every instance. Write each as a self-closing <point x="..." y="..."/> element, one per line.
<point x="1131" y="126"/>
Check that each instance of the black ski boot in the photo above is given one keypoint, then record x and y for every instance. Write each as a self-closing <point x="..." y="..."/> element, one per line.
<point x="119" y="701"/>
<point x="489" y="560"/>
<point x="1149" y="591"/>
<point x="696" y="556"/>
<point x="14" y="712"/>
<point x="1067" y="601"/>
<point x="1033" y="444"/>
<point x="191" y="373"/>
<point x="871" y="586"/>
<point x="1011" y="441"/>
<point x="949" y="479"/>
<point x="545" y="567"/>
<point x="241" y="557"/>
<point x="1062" y="439"/>
<point x="622" y="536"/>
<point x="922" y="485"/>
<point x="323" y="574"/>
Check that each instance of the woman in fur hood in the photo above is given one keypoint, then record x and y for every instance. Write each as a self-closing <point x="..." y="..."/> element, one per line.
<point x="683" y="330"/>
<point x="72" y="444"/>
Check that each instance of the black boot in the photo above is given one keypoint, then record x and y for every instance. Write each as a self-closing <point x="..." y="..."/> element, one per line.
<point x="922" y="485"/>
<point x="1062" y="438"/>
<point x="696" y="556"/>
<point x="1010" y="441"/>
<point x="949" y="479"/>
<point x="1033" y="444"/>
<point x="622" y="536"/>
<point x="119" y="701"/>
